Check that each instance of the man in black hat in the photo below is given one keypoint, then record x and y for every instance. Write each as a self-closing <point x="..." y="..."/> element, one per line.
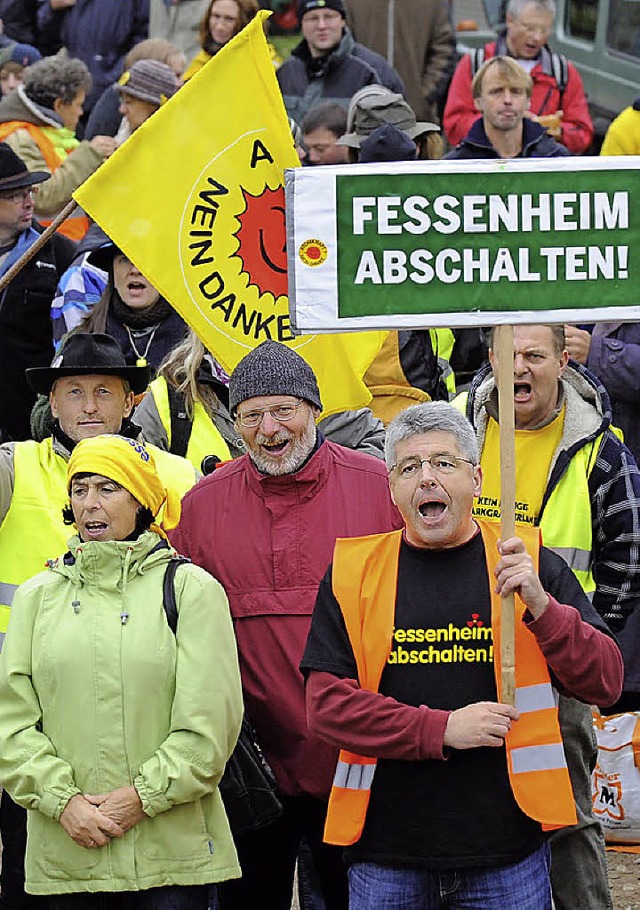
<point x="91" y="391"/>
<point x="25" y="321"/>
<point x="265" y="525"/>
<point x="328" y="65"/>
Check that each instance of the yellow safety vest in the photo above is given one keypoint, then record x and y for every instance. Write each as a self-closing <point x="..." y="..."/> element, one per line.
<point x="33" y="530"/>
<point x="205" y="438"/>
<point x="364" y="580"/>
<point x="442" y="342"/>
<point x="566" y="520"/>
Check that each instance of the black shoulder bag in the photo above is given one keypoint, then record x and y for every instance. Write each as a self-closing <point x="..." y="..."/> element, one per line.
<point x="248" y="786"/>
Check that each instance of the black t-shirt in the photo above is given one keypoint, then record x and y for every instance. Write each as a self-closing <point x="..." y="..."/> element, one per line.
<point x="433" y="813"/>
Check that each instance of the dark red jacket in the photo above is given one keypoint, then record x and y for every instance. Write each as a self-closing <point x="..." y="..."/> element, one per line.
<point x="577" y="129"/>
<point x="269" y="541"/>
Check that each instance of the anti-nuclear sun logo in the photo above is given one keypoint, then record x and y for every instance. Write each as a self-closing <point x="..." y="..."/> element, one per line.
<point x="232" y="245"/>
<point x="313" y="252"/>
<point x="262" y="239"/>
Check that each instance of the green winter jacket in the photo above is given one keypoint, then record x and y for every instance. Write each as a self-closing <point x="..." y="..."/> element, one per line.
<point x="96" y="692"/>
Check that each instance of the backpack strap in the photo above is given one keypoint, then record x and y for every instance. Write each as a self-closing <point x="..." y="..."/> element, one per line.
<point x="476" y="57"/>
<point x="169" y="591"/>
<point x="181" y="425"/>
<point x="560" y="71"/>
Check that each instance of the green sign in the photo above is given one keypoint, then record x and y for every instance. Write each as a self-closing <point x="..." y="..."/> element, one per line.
<point x="443" y="242"/>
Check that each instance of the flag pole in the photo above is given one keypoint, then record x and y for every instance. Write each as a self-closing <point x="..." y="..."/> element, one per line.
<point x="20" y="263"/>
<point x="503" y="348"/>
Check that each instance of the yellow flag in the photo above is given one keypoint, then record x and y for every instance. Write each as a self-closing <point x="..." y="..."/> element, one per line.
<point x="195" y="199"/>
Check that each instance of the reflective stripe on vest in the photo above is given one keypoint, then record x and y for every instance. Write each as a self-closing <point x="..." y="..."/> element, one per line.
<point x="355" y="774"/>
<point x="364" y="582"/>
<point x="370" y="593"/>
<point x="535" y="755"/>
<point x="7" y="593"/>
<point x="535" y="698"/>
<point x="537" y="758"/>
<point x="205" y="438"/>
<point x="566" y="519"/>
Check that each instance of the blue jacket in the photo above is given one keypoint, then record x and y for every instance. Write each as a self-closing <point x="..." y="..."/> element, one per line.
<point x="97" y="32"/>
<point x="536" y="143"/>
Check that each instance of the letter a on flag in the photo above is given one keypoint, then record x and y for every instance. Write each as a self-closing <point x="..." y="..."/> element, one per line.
<point x="195" y="199"/>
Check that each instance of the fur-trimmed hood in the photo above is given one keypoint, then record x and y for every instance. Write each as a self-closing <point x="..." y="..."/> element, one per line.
<point x="18" y="106"/>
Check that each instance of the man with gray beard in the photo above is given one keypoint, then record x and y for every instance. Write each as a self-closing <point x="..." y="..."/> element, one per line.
<point x="265" y="525"/>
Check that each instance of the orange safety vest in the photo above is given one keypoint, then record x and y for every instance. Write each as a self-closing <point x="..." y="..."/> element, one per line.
<point x="77" y="224"/>
<point x="364" y="580"/>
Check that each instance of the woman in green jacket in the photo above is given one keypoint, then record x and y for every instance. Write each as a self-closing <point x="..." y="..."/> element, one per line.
<point x="115" y="723"/>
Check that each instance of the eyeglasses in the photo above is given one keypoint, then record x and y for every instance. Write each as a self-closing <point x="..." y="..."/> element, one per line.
<point x="534" y="31"/>
<point x="441" y="464"/>
<point x="315" y="19"/>
<point x="282" y="413"/>
<point x="19" y="195"/>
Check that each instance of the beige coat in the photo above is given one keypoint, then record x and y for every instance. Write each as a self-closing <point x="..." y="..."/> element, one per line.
<point x="423" y="47"/>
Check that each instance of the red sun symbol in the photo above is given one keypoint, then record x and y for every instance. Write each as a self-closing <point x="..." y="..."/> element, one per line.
<point x="263" y="241"/>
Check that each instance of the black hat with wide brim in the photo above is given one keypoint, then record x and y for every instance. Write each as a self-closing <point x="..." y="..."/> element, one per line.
<point x="13" y="171"/>
<point x="84" y="354"/>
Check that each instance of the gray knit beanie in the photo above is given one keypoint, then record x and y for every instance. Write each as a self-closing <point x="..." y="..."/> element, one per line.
<point x="272" y="369"/>
<point x="150" y="81"/>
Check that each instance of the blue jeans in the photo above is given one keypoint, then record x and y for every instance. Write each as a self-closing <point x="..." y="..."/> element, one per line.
<point x="521" y="886"/>
<point x="169" y="897"/>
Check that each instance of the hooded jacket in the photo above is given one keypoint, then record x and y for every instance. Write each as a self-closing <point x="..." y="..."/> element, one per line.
<point x="89" y="650"/>
<point x="613" y="485"/>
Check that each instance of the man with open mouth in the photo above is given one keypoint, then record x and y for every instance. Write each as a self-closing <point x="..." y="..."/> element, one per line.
<point x="442" y="791"/>
<point x="577" y="481"/>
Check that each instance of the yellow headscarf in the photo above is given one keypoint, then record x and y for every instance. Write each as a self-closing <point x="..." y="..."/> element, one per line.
<point x="132" y="465"/>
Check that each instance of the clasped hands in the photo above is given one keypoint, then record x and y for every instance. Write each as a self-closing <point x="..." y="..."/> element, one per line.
<point x="92" y="820"/>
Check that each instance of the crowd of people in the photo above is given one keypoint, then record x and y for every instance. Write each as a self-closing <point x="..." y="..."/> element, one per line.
<point x="293" y="662"/>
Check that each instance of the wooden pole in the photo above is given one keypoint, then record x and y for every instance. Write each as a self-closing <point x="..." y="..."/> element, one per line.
<point x="503" y="349"/>
<point x="17" y="266"/>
